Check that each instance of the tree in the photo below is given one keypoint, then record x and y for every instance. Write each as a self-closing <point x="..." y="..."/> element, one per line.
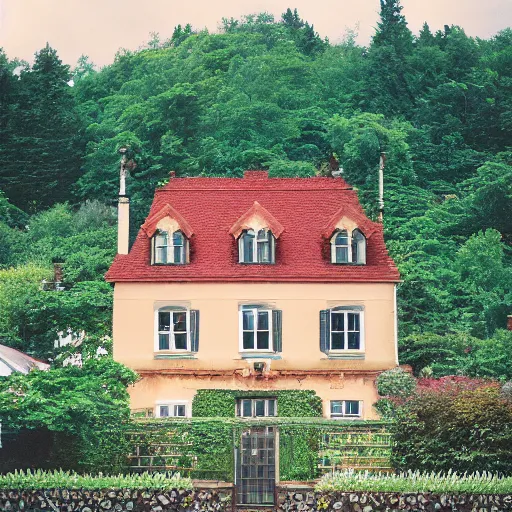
<point x="44" y="154"/>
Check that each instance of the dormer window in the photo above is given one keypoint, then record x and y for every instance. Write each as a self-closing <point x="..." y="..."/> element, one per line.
<point x="348" y="247"/>
<point x="256" y="247"/>
<point x="340" y="247"/>
<point x="358" y="247"/>
<point x="169" y="248"/>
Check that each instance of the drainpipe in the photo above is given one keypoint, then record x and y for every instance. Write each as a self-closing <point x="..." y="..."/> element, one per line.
<point x="123" y="208"/>
<point x="381" y="186"/>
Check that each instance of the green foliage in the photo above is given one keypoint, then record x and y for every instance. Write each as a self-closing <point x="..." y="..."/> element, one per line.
<point x="290" y="403"/>
<point x="456" y="428"/>
<point x="395" y="383"/>
<point x="416" y="481"/>
<point x="34" y="480"/>
<point x="89" y="403"/>
<point x="459" y="353"/>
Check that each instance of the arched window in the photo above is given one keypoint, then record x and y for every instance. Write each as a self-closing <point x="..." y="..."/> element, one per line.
<point x="358" y="247"/>
<point x="340" y="246"/>
<point x="256" y="247"/>
<point x="169" y="249"/>
<point x="348" y="248"/>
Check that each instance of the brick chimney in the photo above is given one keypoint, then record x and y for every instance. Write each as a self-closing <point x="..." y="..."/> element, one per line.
<point x="509" y="322"/>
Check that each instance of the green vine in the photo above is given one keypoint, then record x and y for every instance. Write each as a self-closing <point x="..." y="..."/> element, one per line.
<point x="290" y="403"/>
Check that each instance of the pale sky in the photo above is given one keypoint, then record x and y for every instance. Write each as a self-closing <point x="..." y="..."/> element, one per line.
<point x="98" y="28"/>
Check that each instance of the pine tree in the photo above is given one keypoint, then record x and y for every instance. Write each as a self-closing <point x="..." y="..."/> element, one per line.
<point x="392" y="44"/>
<point x="43" y="154"/>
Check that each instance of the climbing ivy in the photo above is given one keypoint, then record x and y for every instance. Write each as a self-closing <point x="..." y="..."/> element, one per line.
<point x="290" y="403"/>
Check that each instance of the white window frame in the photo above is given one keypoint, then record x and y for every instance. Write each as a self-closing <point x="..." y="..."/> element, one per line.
<point x="256" y="241"/>
<point x="239" y="407"/>
<point x="241" y="331"/>
<point x="361" y="248"/>
<point x="172" y="405"/>
<point x="350" y="239"/>
<point x="346" y="312"/>
<point x="170" y="247"/>
<point x="343" y="415"/>
<point x="172" y="345"/>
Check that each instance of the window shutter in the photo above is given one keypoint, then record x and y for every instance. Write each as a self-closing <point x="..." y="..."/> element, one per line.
<point x="325" y="330"/>
<point x="277" y="330"/>
<point x="194" y="330"/>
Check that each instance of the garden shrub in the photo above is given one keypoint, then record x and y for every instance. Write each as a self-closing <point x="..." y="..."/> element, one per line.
<point x="85" y="411"/>
<point x="454" y="424"/>
<point x="506" y="391"/>
<point x="395" y="383"/>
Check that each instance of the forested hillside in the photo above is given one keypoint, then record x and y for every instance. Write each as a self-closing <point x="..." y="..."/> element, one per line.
<point x="265" y="93"/>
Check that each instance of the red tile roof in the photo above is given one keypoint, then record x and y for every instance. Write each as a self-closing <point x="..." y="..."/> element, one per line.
<point x="307" y="209"/>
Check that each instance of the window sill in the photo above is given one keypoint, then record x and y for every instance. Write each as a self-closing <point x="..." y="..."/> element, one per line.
<point x="346" y="418"/>
<point x="259" y="355"/>
<point x="348" y="356"/>
<point x="174" y="355"/>
<point x="348" y="264"/>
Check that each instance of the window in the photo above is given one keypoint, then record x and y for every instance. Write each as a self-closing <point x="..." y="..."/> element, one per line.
<point x="346" y="409"/>
<point x="358" y="247"/>
<point x="172" y="410"/>
<point x="341" y="329"/>
<point x="256" y="247"/>
<point x="348" y="248"/>
<point x="170" y="249"/>
<point x="340" y="247"/>
<point x="260" y="329"/>
<point x="256" y="407"/>
<point x="177" y="330"/>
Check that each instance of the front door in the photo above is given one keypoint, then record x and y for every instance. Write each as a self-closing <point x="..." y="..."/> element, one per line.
<point x="256" y="467"/>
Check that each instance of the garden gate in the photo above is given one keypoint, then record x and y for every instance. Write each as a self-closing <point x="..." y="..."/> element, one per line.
<point x="256" y="467"/>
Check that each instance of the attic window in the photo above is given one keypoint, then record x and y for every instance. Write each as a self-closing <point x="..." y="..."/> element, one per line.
<point x="256" y="247"/>
<point x="169" y="248"/>
<point x="348" y="247"/>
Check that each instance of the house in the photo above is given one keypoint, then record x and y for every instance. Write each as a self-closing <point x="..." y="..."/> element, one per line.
<point x="12" y="360"/>
<point x="254" y="284"/>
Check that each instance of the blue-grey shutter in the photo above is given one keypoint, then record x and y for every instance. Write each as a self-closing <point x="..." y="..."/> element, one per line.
<point x="194" y="330"/>
<point x="277" y="330"/>
<point x="325" y="330"/>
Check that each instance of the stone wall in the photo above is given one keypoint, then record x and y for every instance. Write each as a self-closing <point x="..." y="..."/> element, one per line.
<point x="217" y="499"/>
<point x="305" y="499"/>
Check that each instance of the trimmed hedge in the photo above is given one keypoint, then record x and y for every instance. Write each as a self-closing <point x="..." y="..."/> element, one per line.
<point x="38" y="479"/>
<point x="413" y="482"/>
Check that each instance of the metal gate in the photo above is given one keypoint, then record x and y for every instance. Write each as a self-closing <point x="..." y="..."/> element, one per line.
<point x="256" y="467"/>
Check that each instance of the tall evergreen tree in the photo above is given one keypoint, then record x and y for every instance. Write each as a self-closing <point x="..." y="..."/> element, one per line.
<point x="388" y="91"/>
<point x="43" y="154"/>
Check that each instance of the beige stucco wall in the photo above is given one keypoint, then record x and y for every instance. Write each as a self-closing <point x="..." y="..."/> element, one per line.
<point x="134" y="337"/>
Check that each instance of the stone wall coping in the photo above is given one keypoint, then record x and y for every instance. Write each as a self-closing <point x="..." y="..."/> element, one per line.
<point x="198" y="485"/>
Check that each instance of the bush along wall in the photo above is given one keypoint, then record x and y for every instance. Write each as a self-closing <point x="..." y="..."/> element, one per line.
<point x="298" y="443"/>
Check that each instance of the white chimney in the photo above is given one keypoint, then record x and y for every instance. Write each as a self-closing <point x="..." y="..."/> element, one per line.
<point x="381" y="186"/>
<point x="123" y="208"/>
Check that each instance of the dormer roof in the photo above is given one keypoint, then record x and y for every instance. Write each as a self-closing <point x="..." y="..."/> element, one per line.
<point x="151" y="224"/>
<point x="300" y="211"/>
<point x="259" y="216"/>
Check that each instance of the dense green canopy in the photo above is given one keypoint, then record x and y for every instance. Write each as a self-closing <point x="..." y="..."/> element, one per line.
<point x="265" y="93"/>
